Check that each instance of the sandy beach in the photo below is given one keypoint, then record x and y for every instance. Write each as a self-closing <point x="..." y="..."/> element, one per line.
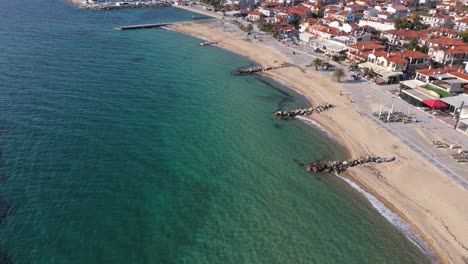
<point x="412" y="187"/>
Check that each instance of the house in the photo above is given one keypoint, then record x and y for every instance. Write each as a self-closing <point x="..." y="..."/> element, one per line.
<point x="416" y="60"/>
<point x="298" y="12"/>
<point x="304" y="24"/>
<point x="437" y="20"/>
<point x="348" y="27"/>
<point x="285" y="31"/>
<point x="324" y="32"/>
<point x="446" y="51"/>
<point x="181" y="3"/>
<point x="370" y="12"/>
<point x="360" y="52"/>
<point x="343" y="16"/>
<point x="334" y="8"/>
<point x="354" y="8"/>
<point x="255" y="16"/>
<point x="386" y="66"/>
<point x="306" y="37"/>
<point x="461" y="24"/>
<point x="384" y="15"/>
<point x="377" y="24"/>
<point x="398" y="10"/>
<point x="401" y="36"/>
<point x="436" y="84"/>
<point x="439" y="31"/>
<point x="387" y="60"/>
<point x="330" y="47"/>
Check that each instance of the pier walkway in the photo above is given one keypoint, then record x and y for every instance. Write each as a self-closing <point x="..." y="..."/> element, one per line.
<point x="158" y="25"/>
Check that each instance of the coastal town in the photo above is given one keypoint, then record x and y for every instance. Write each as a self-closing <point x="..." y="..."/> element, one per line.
<point x="420" y="45"/>
<point x="396" y="74"/>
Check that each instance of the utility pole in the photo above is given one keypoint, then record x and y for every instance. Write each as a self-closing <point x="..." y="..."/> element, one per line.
<point x="457" y="115"/>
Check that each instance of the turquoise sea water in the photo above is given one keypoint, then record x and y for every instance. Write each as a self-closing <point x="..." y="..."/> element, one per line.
<point x="140" y="147"/>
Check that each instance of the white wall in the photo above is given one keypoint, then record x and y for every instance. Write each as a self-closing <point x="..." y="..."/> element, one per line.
<point x="377" y="25"/>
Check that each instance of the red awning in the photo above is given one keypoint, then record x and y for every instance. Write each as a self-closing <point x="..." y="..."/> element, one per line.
<point x="435" y="104"/>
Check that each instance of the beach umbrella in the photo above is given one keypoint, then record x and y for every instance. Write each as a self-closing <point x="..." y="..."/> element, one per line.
<point x="435" y="103"/>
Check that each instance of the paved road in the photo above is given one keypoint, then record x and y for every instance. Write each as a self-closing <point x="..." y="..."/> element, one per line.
<point x="367" y="95"/>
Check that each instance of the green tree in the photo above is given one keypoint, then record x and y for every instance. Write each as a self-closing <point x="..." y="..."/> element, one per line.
<point x="338" y="74"/>
<point x="266" y="27"/>
<point x="404" y="23"/>
<point x="353" y="67"/>
<point x="417" y="23"/>
<point x="412" y="45"/>
<point x="321" y="13"/>
<point x="249" y="28"/>
<point x="317" y="63"/>
<point x="335" y="58"/>
<point x="464" y="36"/>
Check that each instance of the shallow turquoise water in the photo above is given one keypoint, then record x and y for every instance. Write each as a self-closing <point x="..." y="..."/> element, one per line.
<point x="141" y="147"/>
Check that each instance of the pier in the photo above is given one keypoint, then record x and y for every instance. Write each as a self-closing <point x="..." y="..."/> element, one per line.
<point x="157" y="25"/>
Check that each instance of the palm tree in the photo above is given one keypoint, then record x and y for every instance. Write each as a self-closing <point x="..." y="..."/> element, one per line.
<point x="339" y="73"/>
<point x="317" y="63"/>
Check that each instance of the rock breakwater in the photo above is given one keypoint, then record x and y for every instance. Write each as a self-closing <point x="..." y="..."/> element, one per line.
<point x="303" y="112"/>
<point x="340" y="166"/>
<point x="255" y="69"/>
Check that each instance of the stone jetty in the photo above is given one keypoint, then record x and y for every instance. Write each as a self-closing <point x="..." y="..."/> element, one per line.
<point x="302" y="112"/>
<point x="208" y="43"/>
<point x="340" y="166"/>
<point x="255" y="69"/>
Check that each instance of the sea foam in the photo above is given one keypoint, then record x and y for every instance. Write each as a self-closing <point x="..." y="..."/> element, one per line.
<point x="394" y="219"/>
<point x="317" y="125"/>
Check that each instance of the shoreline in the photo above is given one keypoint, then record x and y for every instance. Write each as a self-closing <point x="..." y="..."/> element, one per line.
<point x="345" y="176"/>
<point x="352" y="148"/>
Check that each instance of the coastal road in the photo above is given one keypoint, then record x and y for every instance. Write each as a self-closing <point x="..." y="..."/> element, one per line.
<point x="368" y="98"/>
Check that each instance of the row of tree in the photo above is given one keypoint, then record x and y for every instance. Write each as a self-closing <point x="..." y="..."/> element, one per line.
<point x="338" y="73"/>
<point x="414" y="24"/>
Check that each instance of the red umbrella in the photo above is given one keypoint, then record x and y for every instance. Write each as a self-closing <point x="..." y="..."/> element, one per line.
<point x="435" y="104"/>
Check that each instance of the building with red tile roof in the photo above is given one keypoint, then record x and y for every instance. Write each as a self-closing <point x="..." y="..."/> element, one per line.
<point x="437" y="20"/>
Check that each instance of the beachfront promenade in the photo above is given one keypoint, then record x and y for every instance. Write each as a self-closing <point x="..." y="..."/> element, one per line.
<point x="368" y="97"/>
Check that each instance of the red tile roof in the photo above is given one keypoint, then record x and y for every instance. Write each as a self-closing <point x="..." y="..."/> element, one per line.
<point x="438" y="15"/>
<point x="404" y="33"/>
<point x="460" y="75"/>
<point x="366" y="46"/>
<point x="438" y="70"/>
<point x="400" y="8"/>
<point x="414" y="54"/>
<point x="457" y="49"/>
<point x="445" y="41"/>
<point x="391" y="57"/>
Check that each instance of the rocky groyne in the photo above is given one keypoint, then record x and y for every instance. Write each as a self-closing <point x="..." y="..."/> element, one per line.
<point x="340" y="166"/>
<point x="85" y="4"/>
<point x="302" y="112"/>
<point x="255" y="69"/>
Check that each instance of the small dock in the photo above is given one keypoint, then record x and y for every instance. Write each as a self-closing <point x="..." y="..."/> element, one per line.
<point x="157" y="25"/>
